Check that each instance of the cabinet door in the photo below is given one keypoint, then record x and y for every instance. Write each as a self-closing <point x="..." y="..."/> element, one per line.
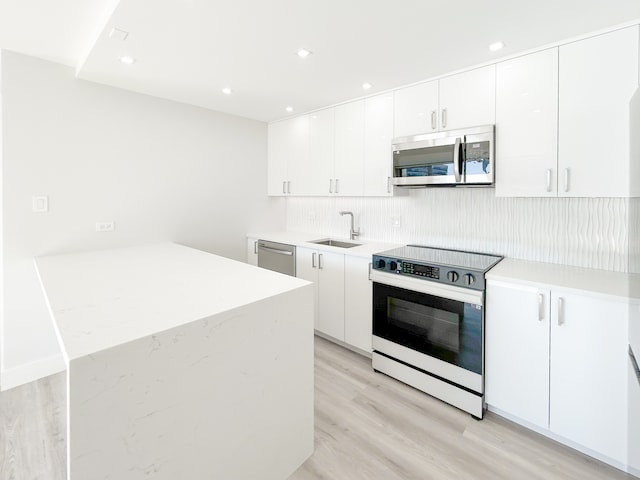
<point x="416" y="109"/>
<point x="358" y="301"/>
<point x="321" y="149"/>
<point x="349" y="148"/>
<point x="598" y="77"/>
<point x="527" y="125"/>
<point x="378" y="132"/>
<point x="307" y="269"/>
<point x="634" y="416"/>
<point x="298" y="155"/>
<point x="277" y="154"/>
<point x="252" y="251"/>
<point x="468" y="99"/>
<point x="331" y="294"/>
<point x="517" y="351"/>
<point x="588" y="392"/>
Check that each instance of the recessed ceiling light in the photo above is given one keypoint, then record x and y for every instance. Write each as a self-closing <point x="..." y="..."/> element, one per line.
<point x="303" y="53"/>
<point x="289" y="109"/>
<point x="227" y="91"/>
<point x="367" y="85"/>
<point x="127" y="60"/>
<point x="495" y="46"/>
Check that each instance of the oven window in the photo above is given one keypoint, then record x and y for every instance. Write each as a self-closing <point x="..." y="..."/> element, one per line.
<point x="448" y="330"/>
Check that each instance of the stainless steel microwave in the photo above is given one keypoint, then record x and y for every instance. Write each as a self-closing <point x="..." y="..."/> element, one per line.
<point x="454" y="158"/>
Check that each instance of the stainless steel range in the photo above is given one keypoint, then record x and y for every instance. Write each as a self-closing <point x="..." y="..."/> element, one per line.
<point x="428" y="321"/>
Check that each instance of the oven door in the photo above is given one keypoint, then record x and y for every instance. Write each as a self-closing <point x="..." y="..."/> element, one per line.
<point x="435" y="328"/>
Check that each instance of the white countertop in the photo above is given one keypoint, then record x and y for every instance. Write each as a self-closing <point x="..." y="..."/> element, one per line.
<point x="601" y="282"/>
<point x="105" y="298"/>
<point x="303" y="239"/>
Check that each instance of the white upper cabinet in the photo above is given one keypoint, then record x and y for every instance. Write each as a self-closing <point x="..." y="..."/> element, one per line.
<point x="416" y="109"/>
<point x="527" y="125"/>
<point x="288" y="156"/>
<point x="598" y="77"/>
<point x="458" y="101"/>
<point x="277" y="158"/>
<point x="349" y="149"/>
<point x="321" y="150"/>
<point x="468" y="99"/>
<point x="378" y="133"/>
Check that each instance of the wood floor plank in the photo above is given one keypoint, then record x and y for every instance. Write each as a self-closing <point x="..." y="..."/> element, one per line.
<point x="368" y="426"/>
<point x="33" y="427"/>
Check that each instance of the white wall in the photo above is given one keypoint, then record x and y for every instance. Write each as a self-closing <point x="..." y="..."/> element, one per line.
<point x="160" y="170"/>
<point x="586" y="232"/>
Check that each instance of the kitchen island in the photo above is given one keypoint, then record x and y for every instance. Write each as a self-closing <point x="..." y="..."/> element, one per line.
<point x="181" y="364"/>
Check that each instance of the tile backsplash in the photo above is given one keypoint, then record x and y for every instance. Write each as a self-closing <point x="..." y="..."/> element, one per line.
<point x="586" y="232"/>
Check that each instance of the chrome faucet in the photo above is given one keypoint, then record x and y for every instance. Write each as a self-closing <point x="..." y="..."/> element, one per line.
<point x="353" y="233"/>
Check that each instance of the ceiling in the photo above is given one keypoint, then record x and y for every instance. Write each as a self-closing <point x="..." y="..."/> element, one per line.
<point x="189" y="50"/>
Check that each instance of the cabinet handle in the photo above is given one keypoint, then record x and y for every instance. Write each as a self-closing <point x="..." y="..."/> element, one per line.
<point x="331" y="185"/>
<point x="566" y="179"/>
<point x="548" y="179"/>
<point x="434" y="119"/>
<point x="313" y="260"/>
<point x="337" y="185"/>
<point x="284" y="187"/>
<point x="255" y="247"/>
<point x="289" y="187"/>
<point x="540" y="307"/>
<point x="560" y="311"/>
<point x="444" y="118"/>
<point x="320" y="261"/>
<point x="370" y="267"/>
<point x="388" y="184"/>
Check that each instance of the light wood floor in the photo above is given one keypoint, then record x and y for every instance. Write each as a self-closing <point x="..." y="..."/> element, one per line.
<point x="368" y="426"/>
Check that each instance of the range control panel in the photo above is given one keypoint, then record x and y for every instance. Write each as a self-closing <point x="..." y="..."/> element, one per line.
<point x="439" y="273"/>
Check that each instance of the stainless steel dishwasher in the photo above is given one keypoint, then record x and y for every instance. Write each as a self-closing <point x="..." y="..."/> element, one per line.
<point x="278" y="257"/>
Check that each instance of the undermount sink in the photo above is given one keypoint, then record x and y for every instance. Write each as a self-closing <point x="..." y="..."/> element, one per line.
<point x="335" y="243"/>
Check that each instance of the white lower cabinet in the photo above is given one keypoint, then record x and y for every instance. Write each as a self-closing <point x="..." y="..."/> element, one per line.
<point x="558" y="360"/>
<point x="517" y="351"/>
<point x="326" y="271"/>
<point x="343" y="294"/>
<point x="252" y="251"/>
<point x="588" y="393"/>
<point x="358" y="302"/>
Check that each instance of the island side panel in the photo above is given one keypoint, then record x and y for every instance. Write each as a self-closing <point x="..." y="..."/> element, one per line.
<point x="228" y="397"/>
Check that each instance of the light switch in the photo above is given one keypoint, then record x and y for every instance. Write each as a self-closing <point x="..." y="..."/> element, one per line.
<point x="40" y="204"/>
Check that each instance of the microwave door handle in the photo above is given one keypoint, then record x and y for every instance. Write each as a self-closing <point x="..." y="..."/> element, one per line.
<point x="456" y="160"/>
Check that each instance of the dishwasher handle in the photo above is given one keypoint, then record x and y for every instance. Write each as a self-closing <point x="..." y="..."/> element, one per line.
<point x="274" y="250"/>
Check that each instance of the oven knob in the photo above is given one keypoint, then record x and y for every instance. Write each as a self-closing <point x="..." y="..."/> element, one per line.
<point x="469" y="279"/>
<point x="381" y="263"/>
<point x="452" y="276"/>
<point x="393" y="266"/>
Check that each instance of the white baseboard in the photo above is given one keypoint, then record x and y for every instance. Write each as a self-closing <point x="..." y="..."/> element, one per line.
<point x="565" y="441"/>
<point x="28" y="372"/>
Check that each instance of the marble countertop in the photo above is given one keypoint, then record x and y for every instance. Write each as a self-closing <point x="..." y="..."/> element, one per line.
<point x="101" y="299"/>
<point x="599" y="282"/>
<point x="304" y="239"/>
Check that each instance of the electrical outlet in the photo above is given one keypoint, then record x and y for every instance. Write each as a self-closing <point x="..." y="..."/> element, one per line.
<point x="105" y="226"/>
<point x="395" y="222"/>
<point x="40" y="204"/>
<point x="311" y="216"/>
